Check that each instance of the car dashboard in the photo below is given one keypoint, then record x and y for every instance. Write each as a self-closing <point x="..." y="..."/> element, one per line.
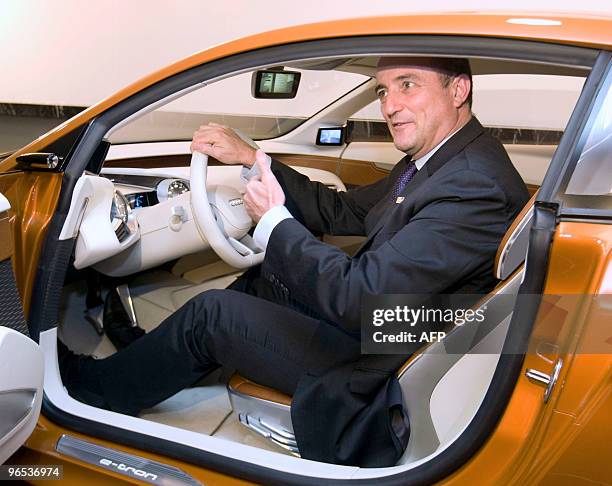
<point x="127" y="220"/>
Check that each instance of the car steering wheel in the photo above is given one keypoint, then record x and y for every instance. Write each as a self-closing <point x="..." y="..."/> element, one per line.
<point x="221" y="218"/>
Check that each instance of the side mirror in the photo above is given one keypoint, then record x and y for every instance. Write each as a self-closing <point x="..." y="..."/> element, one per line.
<point x="331" y="136"/>
<point x="275" y="84"/>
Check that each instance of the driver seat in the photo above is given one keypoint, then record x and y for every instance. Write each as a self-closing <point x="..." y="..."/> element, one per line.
<point x="428" y="382"/>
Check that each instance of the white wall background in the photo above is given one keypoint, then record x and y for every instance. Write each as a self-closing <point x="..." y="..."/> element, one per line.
<point x="76" y="52"/>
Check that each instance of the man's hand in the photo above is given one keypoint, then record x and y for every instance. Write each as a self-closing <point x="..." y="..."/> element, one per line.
<point x="263" y="191"/>
<point x="223" y="144"/>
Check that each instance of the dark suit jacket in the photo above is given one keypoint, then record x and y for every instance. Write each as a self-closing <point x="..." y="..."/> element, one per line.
<point x="442" y="238"/>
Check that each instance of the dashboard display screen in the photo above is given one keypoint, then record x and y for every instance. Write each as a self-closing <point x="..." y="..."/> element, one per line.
<point x="142" y="199"/>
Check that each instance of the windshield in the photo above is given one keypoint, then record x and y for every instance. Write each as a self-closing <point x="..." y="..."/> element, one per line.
<point x="229" y="102"/>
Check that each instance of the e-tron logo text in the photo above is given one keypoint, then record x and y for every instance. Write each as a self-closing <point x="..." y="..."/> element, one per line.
<point x="139" y="473"/>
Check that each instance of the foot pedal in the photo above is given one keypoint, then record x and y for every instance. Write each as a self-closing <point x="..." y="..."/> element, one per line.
<point x="120" y="327"/>
<point x="123" y="291"/>
<point x="95" y="316"/>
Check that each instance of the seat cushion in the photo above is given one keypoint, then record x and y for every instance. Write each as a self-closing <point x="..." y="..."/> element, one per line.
<point x="247" y="387"/>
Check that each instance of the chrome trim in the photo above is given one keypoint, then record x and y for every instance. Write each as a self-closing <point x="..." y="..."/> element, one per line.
<point x="123" y="291"/>
<point x="549" y="381"/>
<point x="237" y="201"/>
<point x="287" y="434"/>
<point x="52" y="161"/>
<point x="15" y="405"/>
<point x="538" y="376"/>
<point x="269" y="419"/>
<point x="285" y="440"/>
<point x="129" y="465"/>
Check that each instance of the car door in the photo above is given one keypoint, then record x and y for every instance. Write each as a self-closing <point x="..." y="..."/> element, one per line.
<point x="575" y="323"/>
<point x="21" y="360"/>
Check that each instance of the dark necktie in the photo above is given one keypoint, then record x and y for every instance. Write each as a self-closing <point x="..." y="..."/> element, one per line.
<point x="404" y="178"/>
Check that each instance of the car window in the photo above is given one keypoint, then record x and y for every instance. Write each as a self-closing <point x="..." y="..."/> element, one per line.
<point x="20" y="123"/>
<point x="229" y="102"/>
<point x="593" y="172"/>
<point x="516" y="108"/>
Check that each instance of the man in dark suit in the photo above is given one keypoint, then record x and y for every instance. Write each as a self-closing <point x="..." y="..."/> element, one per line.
<point x="432" y="226"/>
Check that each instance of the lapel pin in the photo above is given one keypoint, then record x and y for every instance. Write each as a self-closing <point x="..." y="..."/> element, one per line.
<point x="399" y="200"/>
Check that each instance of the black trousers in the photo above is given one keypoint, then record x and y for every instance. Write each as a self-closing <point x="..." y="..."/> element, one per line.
<point x="251" y="327"/>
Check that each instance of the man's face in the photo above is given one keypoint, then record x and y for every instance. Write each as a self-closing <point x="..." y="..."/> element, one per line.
<point x="419" y="110"/>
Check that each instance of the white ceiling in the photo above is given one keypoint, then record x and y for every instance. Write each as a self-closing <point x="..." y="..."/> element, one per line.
<point x="71" y="52"/>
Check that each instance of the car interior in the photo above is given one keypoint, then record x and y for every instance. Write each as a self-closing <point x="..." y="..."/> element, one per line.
<point x="138" y="235"/>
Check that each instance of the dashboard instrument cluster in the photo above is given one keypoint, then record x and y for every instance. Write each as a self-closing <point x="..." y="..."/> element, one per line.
<point x="142" y="199"/>
<point x="146" y="191"/>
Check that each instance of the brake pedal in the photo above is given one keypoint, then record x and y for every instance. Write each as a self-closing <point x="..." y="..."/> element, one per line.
<point x="95" y="316"/>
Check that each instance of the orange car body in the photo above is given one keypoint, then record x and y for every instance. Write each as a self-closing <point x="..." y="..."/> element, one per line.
<point x="566" y="441"/>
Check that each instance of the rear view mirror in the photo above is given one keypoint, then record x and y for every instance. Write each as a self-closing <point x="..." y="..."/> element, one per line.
<point x="278" y="84"/>
<point x="332" y="136"/>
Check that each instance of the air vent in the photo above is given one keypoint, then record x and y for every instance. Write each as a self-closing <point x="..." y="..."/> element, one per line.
<point x="122" y="232"/>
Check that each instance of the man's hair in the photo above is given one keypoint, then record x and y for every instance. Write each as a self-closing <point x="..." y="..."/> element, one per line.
<point x="447" y="67"/>
<point x="452" y="67"/>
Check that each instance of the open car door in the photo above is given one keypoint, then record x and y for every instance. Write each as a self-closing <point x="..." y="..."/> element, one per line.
<point x="21" y="360"/>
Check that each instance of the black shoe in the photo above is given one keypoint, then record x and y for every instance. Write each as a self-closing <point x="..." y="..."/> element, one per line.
<point x="117" y="324"/>
<point x="76" y="371"/>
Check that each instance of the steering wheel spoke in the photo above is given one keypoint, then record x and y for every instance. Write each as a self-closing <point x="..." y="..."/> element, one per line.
<point x="227" y="237"/>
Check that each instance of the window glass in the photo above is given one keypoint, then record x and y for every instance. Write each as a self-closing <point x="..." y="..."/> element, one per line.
<point x="590" y="185"/>
<point x="516" y="108"/>
<point x="21" y="123"/>
<point x="229" y="102"/>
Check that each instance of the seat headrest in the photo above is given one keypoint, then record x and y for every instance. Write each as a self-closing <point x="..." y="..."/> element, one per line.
<point x="513" y="247"/>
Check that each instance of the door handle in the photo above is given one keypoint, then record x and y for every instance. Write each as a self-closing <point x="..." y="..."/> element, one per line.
<point x="548" y="381"/>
